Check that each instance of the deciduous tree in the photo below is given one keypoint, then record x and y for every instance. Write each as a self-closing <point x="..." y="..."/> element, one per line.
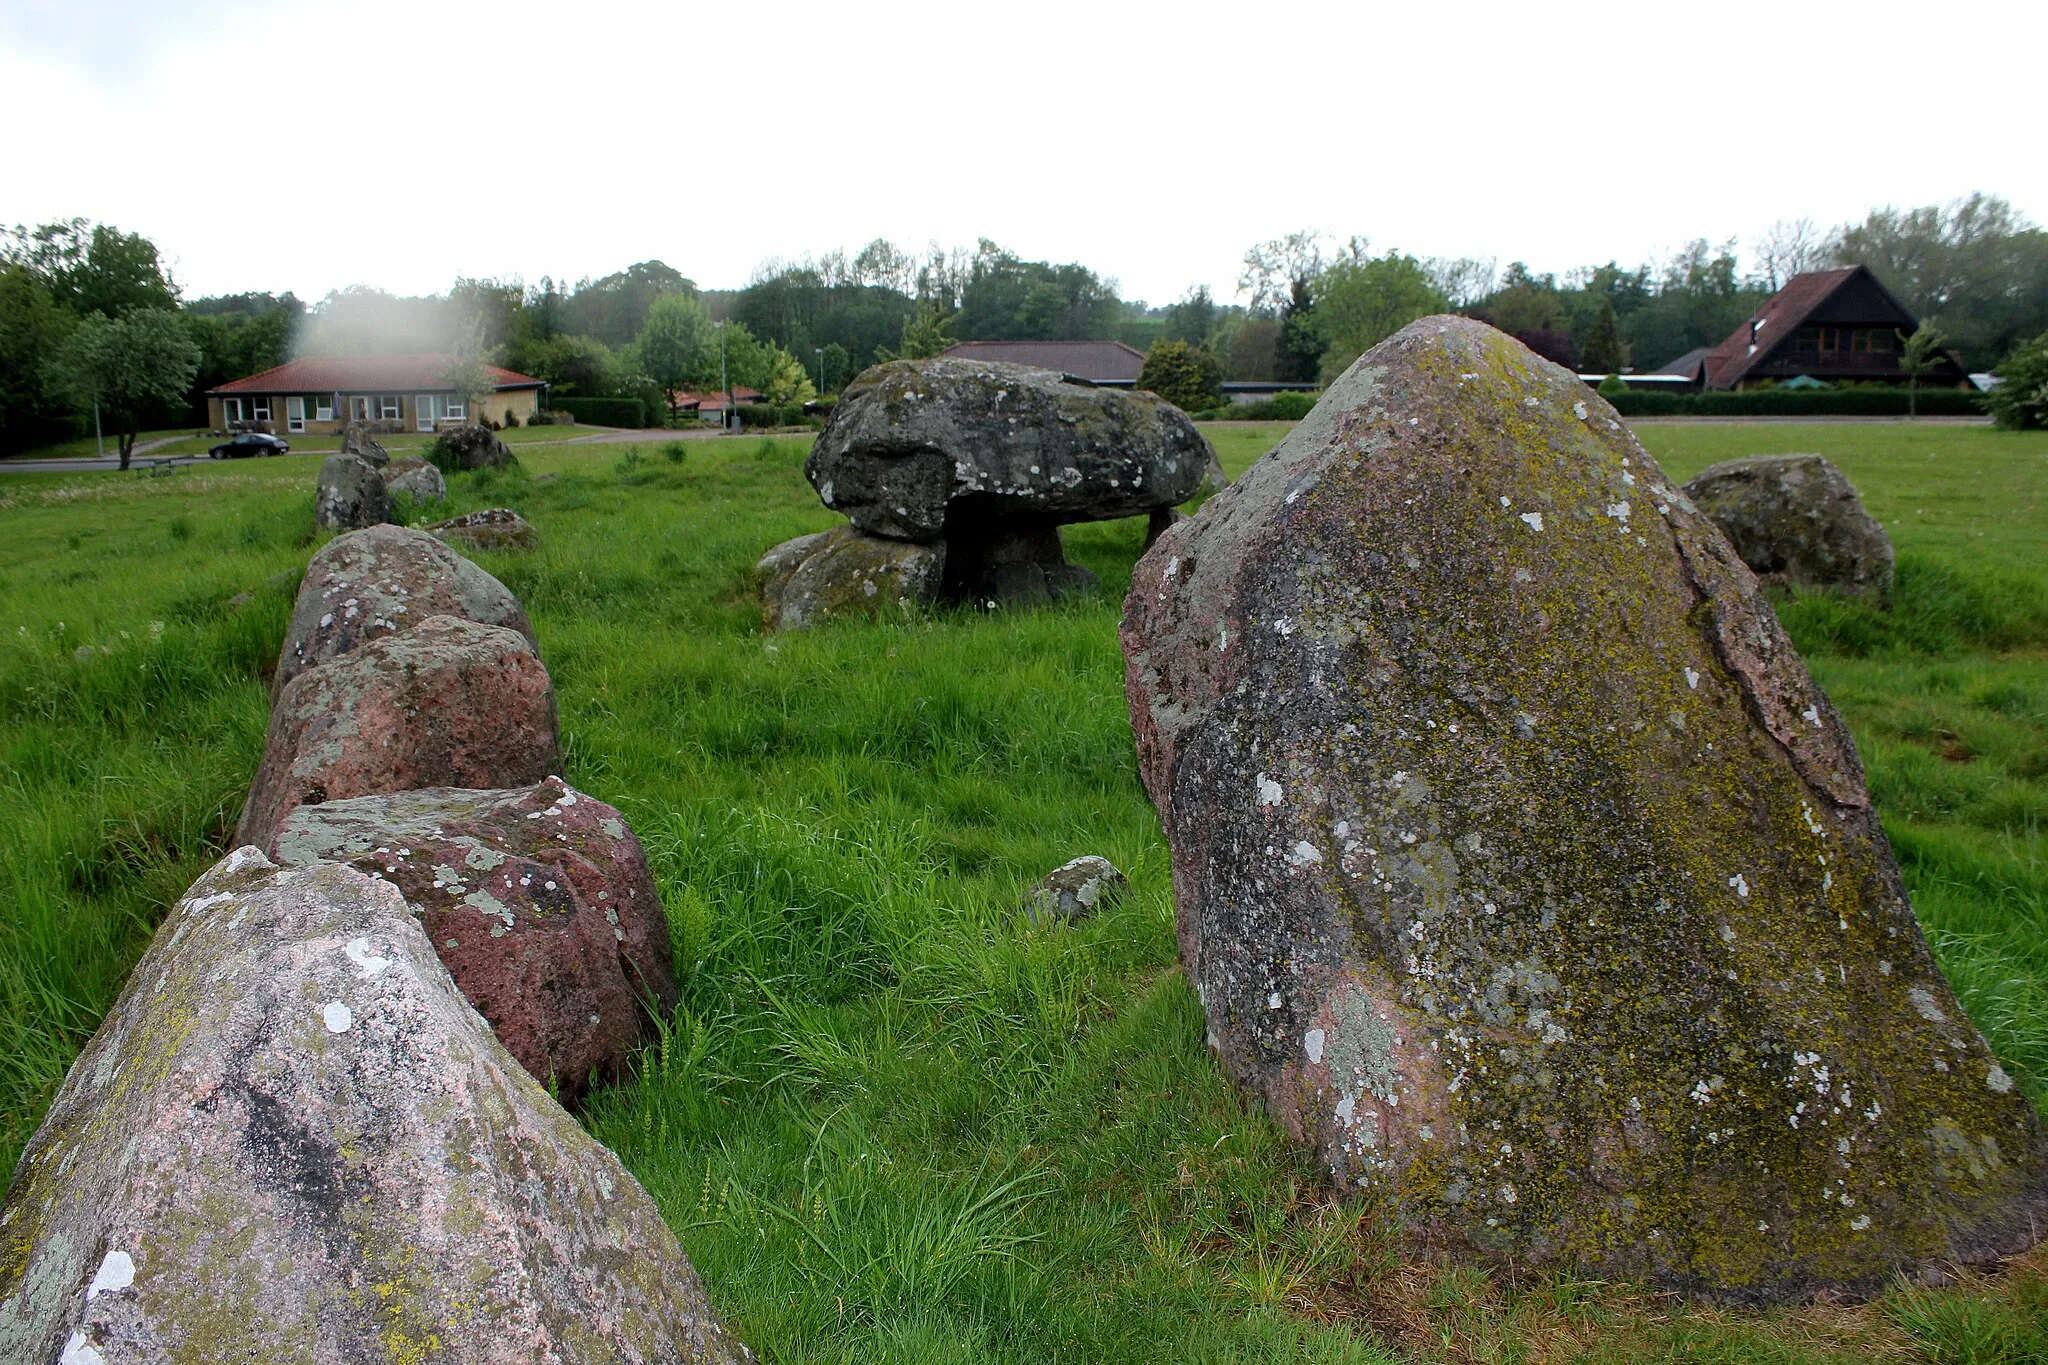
<point x="678" y="346"/>
<point x="1189" y="377"/>
<point x="134" y="367"/>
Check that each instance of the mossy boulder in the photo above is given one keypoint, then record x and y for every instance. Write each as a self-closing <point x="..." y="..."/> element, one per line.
<point x="349" y="493"/>
<point x="916" y="449"/>
<point x="414" y="477"/>
<point x="1524" y="873"/>
<point x="842" y="573"/>
<point x="379" y="581"/>
<point x="1797" y="522"/>
<point x="292" y="1139"/>
<point x="539" y="902"/>
<point x="493" y="528"/>
<point x="449" y="703"/>
<point x="470" y="447"/>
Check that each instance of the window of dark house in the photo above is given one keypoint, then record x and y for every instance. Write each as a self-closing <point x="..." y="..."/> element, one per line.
<point x="1807" y="340"/>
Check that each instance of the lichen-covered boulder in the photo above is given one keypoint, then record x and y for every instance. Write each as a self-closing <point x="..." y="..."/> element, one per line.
<point x="842" y="573"/>
<point x="349" y="493"/>
<point x="381" y="580"/>
<point x="1525" y="874"/>
<point x="920" y="448"/>
<point x="292" y="1139"/>
<point x="493" y="528"/>
<point x="413" y="476"/>
<point x="474" y="447"/>
<point x="449" y="703"/>
<point x="538" y="901"/>
<point x="1796" y="521"/>
<point x="357" y="440"/>
<point x="1075" y="890"/>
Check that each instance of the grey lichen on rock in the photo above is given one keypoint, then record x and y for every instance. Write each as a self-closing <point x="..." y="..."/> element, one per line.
<point x="1075" y="890"/>
<point x="1524" y="873"/>
<point x="1796" y="521"/>
<point x="292" y="1139"/>
<point x="379" y="581"/>
<point x="843" y="573"/>
<point x="493" y="528"/>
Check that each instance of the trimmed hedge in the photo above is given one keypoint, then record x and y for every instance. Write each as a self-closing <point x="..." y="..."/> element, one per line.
<point x="1872" y="402"/>
<point x="769" y="415"/>
<point x="1281" y="407"/>
<point x="605" y="412"/>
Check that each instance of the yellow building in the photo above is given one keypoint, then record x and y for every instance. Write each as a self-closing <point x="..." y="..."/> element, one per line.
<point x="321" y="394"/>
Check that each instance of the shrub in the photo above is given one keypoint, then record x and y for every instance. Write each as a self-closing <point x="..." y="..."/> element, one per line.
<point x="1290" y="406"/>
<point x="1189" y="377"/>
<point x="1612" y="387"/>
<point x="1866" y="402"/>
<point x="511" y="421"/>
<point x="762" y="414"/>
<point x="2021" y="399"/>
<point x="675" y="451"/>
<point x="605" y="412"/>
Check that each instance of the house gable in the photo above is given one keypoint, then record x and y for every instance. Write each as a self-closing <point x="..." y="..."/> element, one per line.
<point x="1828" y="324"/>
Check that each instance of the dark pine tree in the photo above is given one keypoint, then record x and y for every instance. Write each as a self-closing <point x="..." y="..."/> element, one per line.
<point x="1298" y="359"/>
<point x="1603" y="352"/>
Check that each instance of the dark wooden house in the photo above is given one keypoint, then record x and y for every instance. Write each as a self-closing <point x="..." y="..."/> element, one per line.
<point x="1830" y="325"/>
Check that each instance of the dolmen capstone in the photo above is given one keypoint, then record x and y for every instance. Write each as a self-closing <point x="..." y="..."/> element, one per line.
<point x="1797" y="522"/>
<point x="293" y="1139"/>
<point x="538" y="901"/>
<point x="379" y="581"/>
<point x="982" y="463"/>
<point x="1524" y="873"/>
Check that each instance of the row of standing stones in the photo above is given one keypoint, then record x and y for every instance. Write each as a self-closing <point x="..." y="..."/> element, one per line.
<point x="360" y="485"/>
<point x="1507" y="830"/>
<point x="1524" y="874"/>
<point x="319" y="1123"/>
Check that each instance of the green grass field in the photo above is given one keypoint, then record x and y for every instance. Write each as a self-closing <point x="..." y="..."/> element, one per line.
<point x="891" y="1121"/>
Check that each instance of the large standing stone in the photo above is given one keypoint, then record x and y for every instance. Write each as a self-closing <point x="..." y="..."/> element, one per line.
<point x="357" y="440"/>
<point x="1525" y="874"/>
<point x="292" y="1140"/>
<point x="1796" y="520"/>
<point x="841" y="572"/>
<point x="449" y="703"/>
<point x="539" y="902"/>
<point x="349" y="493"/>
<point x="474" y="447"/>
<point x="382" y="580"/>
<point x="994" y="458"/>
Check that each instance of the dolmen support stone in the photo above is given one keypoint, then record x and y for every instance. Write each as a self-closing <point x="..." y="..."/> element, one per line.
<point x="1797" y="522"/>
<point x="448" y="703"/>
<point x="843" y="573"/>
<point x="382" y="580"/>
<point x="538" y="901"/>
<point x="1524" y="873"/>
<point x="984" y="462"/>
<point x="292" y="1139"/>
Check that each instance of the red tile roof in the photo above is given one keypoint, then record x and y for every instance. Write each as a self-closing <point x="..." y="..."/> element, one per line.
<point x="1103" y="362"/>
<point x="711" y="402"/>
<point x="365" y="374"/>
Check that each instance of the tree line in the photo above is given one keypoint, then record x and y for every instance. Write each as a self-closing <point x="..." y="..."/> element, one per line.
<point x="89" y="315"/>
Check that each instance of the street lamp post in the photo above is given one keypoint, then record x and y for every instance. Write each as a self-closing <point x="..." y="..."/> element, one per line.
<point x="821" y="369"/>
<point x="724" y="413"/>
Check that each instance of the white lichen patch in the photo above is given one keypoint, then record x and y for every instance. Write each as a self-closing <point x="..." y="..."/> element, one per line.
<point x="1534" y="520"/>
<point x="116" y="1272"/>
<point x="1923" y="1001"/>
<point x="372" y="965"/>
<point x="1997" y="1080"/>
<point x="338" y="1017"/>
<point x="1268" y="790"/>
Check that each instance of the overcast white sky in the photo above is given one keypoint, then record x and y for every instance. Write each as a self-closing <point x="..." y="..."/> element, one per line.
<point x="309" y="144"/>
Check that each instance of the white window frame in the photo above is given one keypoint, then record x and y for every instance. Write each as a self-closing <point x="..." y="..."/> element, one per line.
<point x="455" y="409"/>
<point x="324" y="412"/>
<point x="230" y="411"/>
<point x="359" y="405"/>
<point x="295" y="413"/>
<point x="391" y="406"/>
<point x="259" y="409"/>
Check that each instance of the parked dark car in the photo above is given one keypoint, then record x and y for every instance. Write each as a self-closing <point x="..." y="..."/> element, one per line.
<point x="247" y="444"/>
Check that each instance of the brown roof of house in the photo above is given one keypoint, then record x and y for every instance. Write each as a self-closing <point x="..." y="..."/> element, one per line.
<point x="1103" y="362"/>
<point x="713" y="401"/>
<point x="365" y="374"/>
<point x="1780" y="316"/>
<point x="1687" y="364"/>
